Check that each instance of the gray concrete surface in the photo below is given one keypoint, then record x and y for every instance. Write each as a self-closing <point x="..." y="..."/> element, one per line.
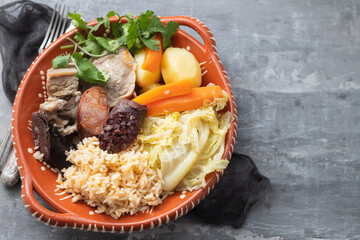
<point x="294" y="67"/>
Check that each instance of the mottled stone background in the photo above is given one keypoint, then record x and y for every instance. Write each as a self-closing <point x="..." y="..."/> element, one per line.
<point x="294" y="67"/>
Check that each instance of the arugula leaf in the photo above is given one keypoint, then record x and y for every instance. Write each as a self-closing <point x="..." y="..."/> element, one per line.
<point x="78" y="21"/>
<point x="87" y="71"/>
<point x="60" y="61"/>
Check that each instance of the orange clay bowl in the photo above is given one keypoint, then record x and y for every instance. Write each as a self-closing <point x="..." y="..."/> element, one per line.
<point x="36" y="176"/>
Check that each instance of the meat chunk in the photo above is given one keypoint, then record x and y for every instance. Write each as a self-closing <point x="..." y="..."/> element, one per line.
<point x="92" y="112"/>
<point x="121" y="66"/>
<point x="61" y="82"/>
<point x="63" y="98"/>
<point x="123" y="125"/>
<point x="62" y="112"/>
<point x="49" y="141"/>
<point x="69" y="109"/>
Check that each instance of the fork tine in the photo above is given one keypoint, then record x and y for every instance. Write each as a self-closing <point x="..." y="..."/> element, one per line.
<point x="60" y="23"/>
<point x="62" y="31"/>
<point x="42" y="46"/>
<point x="55" y="27"/>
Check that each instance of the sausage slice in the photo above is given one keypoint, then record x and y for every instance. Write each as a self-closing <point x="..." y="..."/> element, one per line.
<point x="93" y="110"/>
<point x="122" y="126"/>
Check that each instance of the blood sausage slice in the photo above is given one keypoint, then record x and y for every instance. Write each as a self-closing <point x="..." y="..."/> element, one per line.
<point x="122" y="126"/>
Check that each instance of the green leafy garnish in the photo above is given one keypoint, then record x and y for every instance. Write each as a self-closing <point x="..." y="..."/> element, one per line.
<point x="131" y="32"/>
<point x="155" y="24"/>
<point x="111" y="14"/>
<point x="87" y="71"/>
<point x="151" y="43"/>
<point x="140" y="31"/>
<point x="144" y="19"/>
<point x="79" y="37"/>
<point x="169" y="31"/>
<point x="109" y="44"/>
<point x="135" y="34"/>
<point x="77" y="21"/>
<point x="60" y="61"/>
<point x="93" y="47"/>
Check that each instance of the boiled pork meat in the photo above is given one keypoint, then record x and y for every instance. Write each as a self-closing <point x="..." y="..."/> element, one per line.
<point x="121" y="67"/>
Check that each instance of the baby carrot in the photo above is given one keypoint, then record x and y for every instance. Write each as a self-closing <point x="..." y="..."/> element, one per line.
<point x="165" y="91"/>
<point x="195" y="99"/>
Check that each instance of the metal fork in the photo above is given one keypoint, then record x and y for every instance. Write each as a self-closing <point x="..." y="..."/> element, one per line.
<point x="8" y="165"/>
<point x="56" y="27"/>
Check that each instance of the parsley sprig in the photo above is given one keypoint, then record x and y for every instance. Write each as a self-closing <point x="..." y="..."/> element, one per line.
<point x="135" y="34"/>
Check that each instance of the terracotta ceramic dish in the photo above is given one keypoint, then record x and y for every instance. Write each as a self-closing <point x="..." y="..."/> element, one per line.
<point x="36" y="176"/>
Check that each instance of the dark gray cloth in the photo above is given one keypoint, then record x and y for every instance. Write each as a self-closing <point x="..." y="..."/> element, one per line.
<point x="22" y="29"/>
<point x="238" y="189"/>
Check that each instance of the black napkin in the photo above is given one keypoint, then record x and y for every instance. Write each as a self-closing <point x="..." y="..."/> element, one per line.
<point x="22" y="29"/>
<point x="231" y="199"/>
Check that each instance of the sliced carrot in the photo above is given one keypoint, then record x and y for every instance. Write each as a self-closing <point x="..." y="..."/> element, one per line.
<point x="195" y="99"/>
<point x="165" y="91"/>
<point x="153" y="58"/>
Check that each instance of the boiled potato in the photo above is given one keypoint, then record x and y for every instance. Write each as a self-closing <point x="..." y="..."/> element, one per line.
<point x="178" y="64"/>
<point x="143" y="77"/>
<point x="149" y="87"/>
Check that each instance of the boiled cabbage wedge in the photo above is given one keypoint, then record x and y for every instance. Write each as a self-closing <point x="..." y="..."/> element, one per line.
<point x="187" y="146"/>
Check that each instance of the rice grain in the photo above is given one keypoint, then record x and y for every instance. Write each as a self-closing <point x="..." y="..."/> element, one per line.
<point x="116" y="184"/>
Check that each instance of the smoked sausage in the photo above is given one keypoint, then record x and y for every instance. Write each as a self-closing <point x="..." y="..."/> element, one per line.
<point x="93" y="110"/>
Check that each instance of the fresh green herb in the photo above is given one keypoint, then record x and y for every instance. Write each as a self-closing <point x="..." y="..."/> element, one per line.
<point x="84" y="51"/>
<point x="77" y="21"/>
<point x="169" y="31"/>
<point x="135" y="34"/>
<point x="92" y="46"/>
<point x="151" y="43"/>
<point x="140" y="32"/>
<point x="87" y="71"/>
<point x="79" y="37"/>
<point x="109" y="44"/>
<point x="60" y="61"/>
